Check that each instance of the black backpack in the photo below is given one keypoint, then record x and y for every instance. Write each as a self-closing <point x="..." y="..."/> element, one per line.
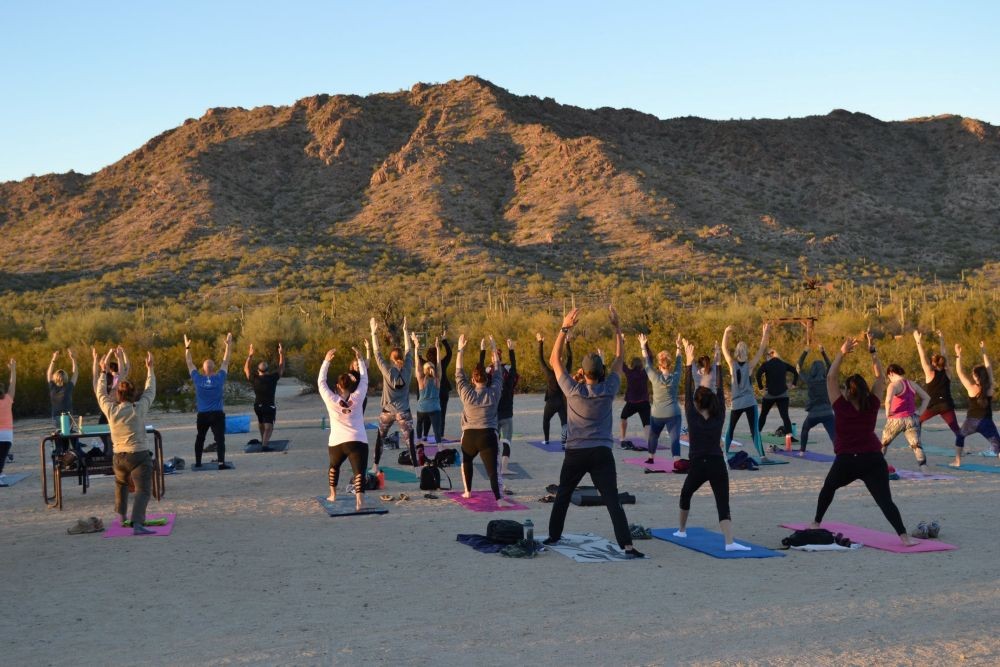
<point x="444" y="457"/>
<point x="801" y="538"/>
<point x="404" y="458"/>
<point x="504" y="531"/>
<point x="430" y="478"/>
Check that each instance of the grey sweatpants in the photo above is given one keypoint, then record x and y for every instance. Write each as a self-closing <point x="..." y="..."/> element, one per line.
<point x="137" y="466"/>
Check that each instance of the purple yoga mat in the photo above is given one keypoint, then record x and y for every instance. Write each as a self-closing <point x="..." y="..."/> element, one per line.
<point x="808" y="456"/>
<point x="876" y="539"/>
<point x="551" y="446"/>
<point x="114" y="529"/>
<point x="910" y="474"/>
<point x="666" y="465"/>
<point x="482" y="501"/>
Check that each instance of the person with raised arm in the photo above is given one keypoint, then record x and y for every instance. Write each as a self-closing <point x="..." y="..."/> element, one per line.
<point x="132" y="462"/>
<point x="636" y="397"/>
<point x="264" y="382"/>
<point x="589" y="441"/>
<point x="818" y="408"/>
<point x="61" y="386"/>
<point x="555" y="401"/>
<point x="938" y="383"/>
<point x="209" y="391"/>
<point x="7" y="418"/>
<point x="775" y="371"/>
<point x="665" y="412"/>
<point x="742" y="398"/>
<point x="901" y="412"/>
<point x="858" y="451"/>
<point x="348" y="439"/>
<point x="979" y="418"/>
<point x="396" y="376"/>
<point x="480" y="402"/>
<point x="428" y="394"/>
<point x="116" y="369"/>
<point x="434" y="357"/>
<point x="705" y="410"/>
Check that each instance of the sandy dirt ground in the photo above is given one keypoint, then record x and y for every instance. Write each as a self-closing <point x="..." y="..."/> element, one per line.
<point x="255" y="573"/>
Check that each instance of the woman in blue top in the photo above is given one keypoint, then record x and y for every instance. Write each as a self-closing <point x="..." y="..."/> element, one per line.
<point x="429" y="394"/>
<point x="664" y="408"/>
<point x="743" y="400"/>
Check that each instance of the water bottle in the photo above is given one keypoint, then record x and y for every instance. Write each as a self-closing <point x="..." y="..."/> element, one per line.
<point x="529" y="534"/>
<point x="788" y="442"/>
<point x="322" y="423"/>
<point x="65" y="424"/>
<point x="795" y="429"/>
<point x="458" y="456"/>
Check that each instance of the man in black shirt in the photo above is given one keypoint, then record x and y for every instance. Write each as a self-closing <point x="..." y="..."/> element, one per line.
<point x="264" y="384"/>
<point x="775" y="370"/>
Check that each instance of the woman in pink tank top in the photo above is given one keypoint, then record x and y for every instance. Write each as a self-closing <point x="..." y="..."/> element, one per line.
<point x="7" y="418"/>
<point x="901" y="411"/>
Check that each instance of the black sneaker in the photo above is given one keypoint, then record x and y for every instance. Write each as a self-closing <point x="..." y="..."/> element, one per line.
<point x="551" y="540"/>
<point x="197" y="466"/>
<point x="634" y="553"/>
<point x="225" y="466"/>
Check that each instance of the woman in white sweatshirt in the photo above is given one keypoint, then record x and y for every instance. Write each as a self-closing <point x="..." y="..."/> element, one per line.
<point x="348" y="439"/>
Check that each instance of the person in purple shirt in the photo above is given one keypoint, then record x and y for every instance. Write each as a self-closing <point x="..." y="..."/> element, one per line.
<point x="209" y="386"/>
<point x="636" y="397"/>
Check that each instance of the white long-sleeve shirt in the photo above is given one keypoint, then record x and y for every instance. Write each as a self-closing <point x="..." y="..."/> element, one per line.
<point x="347" y="417"/>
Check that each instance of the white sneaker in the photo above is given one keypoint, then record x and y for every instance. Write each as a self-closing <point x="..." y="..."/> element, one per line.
<point x="545" y="442"/>
<point x="3" y="480"/>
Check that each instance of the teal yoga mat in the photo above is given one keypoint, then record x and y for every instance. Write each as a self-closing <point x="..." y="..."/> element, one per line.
<point x="971" y="467"/>
<point x="396" y="475"/>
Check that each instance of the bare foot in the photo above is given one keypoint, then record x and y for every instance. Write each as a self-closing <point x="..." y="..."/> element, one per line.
<point x="908" y="541"/>
<point x="467" y="494"/>
<point x="332" y="497"/>
<point x="359" y="504"/>
<point x="814" y="525"/>
<point x="957" y="463"/>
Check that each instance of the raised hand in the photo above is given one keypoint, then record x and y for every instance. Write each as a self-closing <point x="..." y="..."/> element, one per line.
<point x="688" y="350"/>
<point x="848" y="346"/>
<point x="643" y="339"/>
<point x="69" y="353"/>
<point x="677" y="342"/>
<point x="729" y="329"/>
<point x="149" y="360"/>
<point x="539" y="338"/>
<point x="357" y="352"/>
<point x="958" y="350"/>
<point x="462" y="341"/>
<point x="613" y="316"/>
<point x="510" y="344"/>
<point x="331" y="353"/>
<point x="916" y="336"/>
<point x="869" y="339"/>
<point x="569" y="321"/>
<point x="250" y="352"/>
<point x="187" y="341"/>
<point x="55" y="355"/>
<point x="374" y="325"/>
<point x="415" y="340"/>
<point x="493" y="343"/>
<point x="93" y="352"/>
<point x="229" y="338"/>
<point x="280" y="349"/>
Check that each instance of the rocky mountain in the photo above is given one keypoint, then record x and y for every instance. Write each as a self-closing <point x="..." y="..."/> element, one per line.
<point x="465" y="181"/>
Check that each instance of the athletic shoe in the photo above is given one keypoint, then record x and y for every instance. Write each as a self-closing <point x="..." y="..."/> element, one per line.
<point x="545" y="442"/>
<point x="634" y="553"/>
<point x="551" y="540"/>
<point x="197" y="466"/>
<point x="933" y="529"/>
<point x="920" y="531"/>
<point x="225" y="466"/>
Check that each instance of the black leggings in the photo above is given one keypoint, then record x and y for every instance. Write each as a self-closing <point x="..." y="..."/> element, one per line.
<point x="765" y="407"/>
<point x="600" y="463"/>
<point x="481" y="441"/>
<point x="444" y="411"/>
<point x="215" y="420"/>
<point x="4" y="451"/>
<point x="711" y="469"/>
<point x="357" y="453"/>
<point x="427" y="421"/>
<point x="871" y="469"/>
<point x="553" y="408"/>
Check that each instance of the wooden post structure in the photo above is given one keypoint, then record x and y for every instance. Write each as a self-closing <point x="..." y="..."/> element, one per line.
<point x="807" y="322"/>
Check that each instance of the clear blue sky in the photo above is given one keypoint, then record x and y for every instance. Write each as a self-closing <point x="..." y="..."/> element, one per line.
<point x="87" y="82"/>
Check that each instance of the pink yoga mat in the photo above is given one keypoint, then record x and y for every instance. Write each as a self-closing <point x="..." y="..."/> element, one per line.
<point x="910" y="474"/>
<point x="483" y="501"/>
<point x="876" y="539"/>
<point x="114" y="529"/>
<point x="666" y="465"/>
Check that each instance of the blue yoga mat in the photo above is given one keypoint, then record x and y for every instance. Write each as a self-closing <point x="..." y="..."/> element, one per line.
<point x="14" y="478"/>
<point x="971" y="467"/>
<point x="713" y="544"/>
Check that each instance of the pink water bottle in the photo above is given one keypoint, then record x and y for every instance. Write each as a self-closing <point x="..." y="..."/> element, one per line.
<point x="788" y="442"/>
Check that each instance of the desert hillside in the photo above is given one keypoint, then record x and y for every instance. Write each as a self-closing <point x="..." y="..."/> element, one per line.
<point x="465" y="181"/>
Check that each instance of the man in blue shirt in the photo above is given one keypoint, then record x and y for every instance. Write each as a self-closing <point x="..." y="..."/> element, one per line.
<point x="588" y="432"/>
<point x="209" y="385"/>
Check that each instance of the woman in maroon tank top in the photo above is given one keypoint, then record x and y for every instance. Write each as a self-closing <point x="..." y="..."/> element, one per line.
<point x="858" y="450"/>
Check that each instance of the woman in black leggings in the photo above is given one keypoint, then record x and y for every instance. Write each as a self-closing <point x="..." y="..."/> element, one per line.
<point x="480" y="399"/>
<point x="858" y="450"/>
<point x="348" y="439"/>
<point x="555" y="401"/>
<point x="705" y="410"/>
